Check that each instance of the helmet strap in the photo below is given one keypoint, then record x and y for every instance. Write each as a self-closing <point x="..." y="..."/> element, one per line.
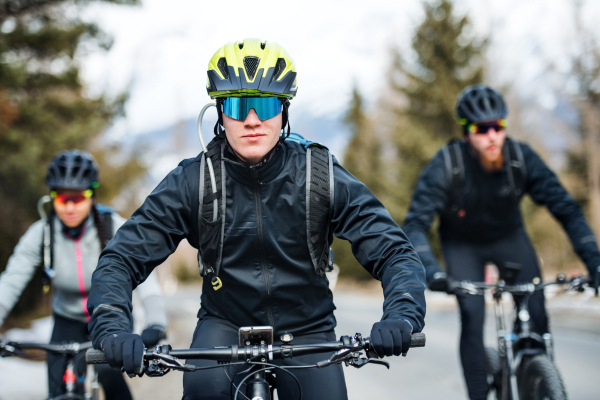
<point x="219" y="129"/>
<point x="285" y="121"/>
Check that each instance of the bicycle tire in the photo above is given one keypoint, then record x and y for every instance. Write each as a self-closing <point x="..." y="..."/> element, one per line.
<point x="494" y="368"/>
<point x="541" y="380"/>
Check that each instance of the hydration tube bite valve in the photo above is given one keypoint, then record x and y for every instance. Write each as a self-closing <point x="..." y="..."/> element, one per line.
<point x="216" y="282"/>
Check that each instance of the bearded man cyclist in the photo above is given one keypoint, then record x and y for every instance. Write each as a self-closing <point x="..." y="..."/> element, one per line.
<point x="67" y="244"/>
<point x="475" y="186"/>
<point x="265" y="273"/>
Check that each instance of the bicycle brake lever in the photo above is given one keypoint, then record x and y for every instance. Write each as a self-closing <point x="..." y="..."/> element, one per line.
<point x="379" y="362"/>
<point x="359" y="362"/>
<point x="9" y="350"/>
<point x="336" y="358"/>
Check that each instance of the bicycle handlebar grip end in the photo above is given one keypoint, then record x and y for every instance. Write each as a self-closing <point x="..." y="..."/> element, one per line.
<point x="417" y="340"/>
<point x="93" y="356"/>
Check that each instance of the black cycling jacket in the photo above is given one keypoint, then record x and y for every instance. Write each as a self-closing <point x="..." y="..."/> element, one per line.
<point x="492" y="211"/>
<point x="267" y="274"/>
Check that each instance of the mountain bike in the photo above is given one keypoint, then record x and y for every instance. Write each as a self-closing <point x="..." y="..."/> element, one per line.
<point x="522" y="367"/>
<point x="76" y="385"/>
<point x="256" y="351"/>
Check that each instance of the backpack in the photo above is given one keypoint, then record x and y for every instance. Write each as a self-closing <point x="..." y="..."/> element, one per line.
<point x="453" y="159"/>
<point x="105" y="213"/>
<point x="319" y="207"/>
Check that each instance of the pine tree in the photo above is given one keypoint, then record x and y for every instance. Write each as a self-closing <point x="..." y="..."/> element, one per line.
<point x="416" y="117"/>
<point x="42" y="107"/>
<point x="363" y="160"/>
<point x="363" y="154"/>
<point x="420" y="113"/>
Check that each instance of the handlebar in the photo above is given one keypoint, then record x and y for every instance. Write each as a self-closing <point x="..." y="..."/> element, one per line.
<point x="477" y="288"/>
<point x="348" y="349"/>
<point x="9" y="348"/>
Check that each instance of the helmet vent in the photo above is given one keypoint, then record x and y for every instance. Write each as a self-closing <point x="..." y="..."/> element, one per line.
<point x="279" y="68"/>
<point x="222" y="65"/>
<point x="251" y="65"/>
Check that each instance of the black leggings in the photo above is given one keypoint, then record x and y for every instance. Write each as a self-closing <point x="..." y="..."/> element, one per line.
<point x="326" y="383"/>
<point x="466" y="261"/>
<point x="65" y="331"/>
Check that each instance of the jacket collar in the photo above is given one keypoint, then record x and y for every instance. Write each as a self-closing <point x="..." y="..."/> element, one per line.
<point x="262" y="173"/>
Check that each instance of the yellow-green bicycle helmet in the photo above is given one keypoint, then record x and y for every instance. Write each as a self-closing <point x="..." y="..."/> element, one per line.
<point x="251" y="68"/>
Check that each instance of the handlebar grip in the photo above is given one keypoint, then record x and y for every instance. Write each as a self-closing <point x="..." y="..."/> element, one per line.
<point x="93" y="356"/>
<point x="417" y="340"/>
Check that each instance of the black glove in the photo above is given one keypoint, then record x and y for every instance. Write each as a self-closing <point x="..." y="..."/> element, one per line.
<point x="153" y="334"/>
<point x="125" y="351"/>
<point x="391" y="337"/>
<point x="439" y="282"/>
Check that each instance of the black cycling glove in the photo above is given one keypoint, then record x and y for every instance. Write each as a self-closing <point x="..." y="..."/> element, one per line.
<point x="125" y="351"/>
<point x="153" y="334"/>
<point x="439" y="282"/>
<point x="391" y="337"/>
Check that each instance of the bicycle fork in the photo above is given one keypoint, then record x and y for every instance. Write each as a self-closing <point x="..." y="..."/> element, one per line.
<point x="505" y="340"/>
<point x="91" y="392"/>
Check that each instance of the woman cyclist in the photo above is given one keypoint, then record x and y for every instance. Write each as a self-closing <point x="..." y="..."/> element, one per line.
<point x="68" y="243"/>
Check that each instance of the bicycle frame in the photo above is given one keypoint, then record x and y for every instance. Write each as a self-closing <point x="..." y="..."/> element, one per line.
<point x="519" y="343"/>
<point x="509" y="343"/>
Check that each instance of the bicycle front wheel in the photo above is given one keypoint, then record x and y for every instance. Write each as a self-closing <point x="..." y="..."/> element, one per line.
<point x="494" y="368"/>
<point x="541" y="380"/>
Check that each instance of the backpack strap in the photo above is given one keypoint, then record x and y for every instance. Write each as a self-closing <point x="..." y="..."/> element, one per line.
<point x="455" y="170"/>
<point x="319" y="206"/>
<point x="211" y="212"/>
<point x="106" y="233"/>
<point x="48" y="252"/>
<point x="516" y="170"/>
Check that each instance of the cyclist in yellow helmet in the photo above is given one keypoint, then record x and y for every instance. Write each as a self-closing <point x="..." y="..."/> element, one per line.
<point x="261" y="206"/>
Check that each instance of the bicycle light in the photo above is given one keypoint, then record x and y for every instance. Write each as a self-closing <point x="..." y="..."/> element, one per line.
<point x="286" y="338"/>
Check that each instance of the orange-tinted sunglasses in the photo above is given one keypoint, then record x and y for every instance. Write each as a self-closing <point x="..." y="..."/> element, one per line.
<point x="76" y="198"/>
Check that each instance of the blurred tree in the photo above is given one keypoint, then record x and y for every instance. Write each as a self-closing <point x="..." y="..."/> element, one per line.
<point x="43" y="109"/>
<point x="580" y="90"/>
<point x="416" y="116"/>
<point x="584" y="158"/>
<point x="423" y="92"/>
<point x="363" y="159"/>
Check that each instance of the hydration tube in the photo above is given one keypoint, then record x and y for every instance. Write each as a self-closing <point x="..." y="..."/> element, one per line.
<point x="47" y="243"/>
<point x="213" y="181"/>
<point x="40" y="205"/>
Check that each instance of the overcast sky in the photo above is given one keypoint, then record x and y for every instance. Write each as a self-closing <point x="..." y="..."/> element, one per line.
<point x="162" y="48"/>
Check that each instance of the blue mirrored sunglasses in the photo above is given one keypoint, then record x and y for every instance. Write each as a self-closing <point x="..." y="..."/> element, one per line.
<point x="239" y="107"/>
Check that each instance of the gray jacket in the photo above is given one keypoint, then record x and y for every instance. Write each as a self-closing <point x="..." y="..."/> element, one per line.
<point x="74" y="263"/>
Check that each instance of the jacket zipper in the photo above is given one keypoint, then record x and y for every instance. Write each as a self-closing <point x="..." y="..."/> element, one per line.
<point x="81" y="279"/>
<point x="263" y="261"/>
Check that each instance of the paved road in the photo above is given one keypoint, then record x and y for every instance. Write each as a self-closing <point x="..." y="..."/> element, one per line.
<point x="432" y="372"/>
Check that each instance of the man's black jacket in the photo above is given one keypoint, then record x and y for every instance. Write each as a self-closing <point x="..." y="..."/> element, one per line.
<point x="290" y="296"/>
<point x="492" y="210"/>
